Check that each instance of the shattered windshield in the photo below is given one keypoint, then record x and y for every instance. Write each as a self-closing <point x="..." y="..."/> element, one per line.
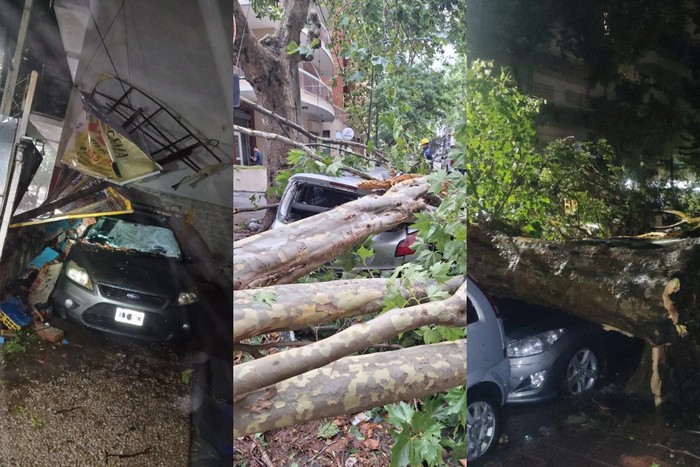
<point x="131" y="236"/>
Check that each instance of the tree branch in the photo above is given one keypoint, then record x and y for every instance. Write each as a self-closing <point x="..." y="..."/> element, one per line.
<point x="299" y="306"/>
<point x="302" y="146"/>
<point x="251" y="376"/>
<point x="353" y="384"/>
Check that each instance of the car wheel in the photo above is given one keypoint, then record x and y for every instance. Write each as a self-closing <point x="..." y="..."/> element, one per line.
<point x="583" y="371"/>
<point x="483" y="426"/>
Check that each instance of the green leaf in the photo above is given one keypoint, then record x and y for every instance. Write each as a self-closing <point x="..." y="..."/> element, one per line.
<point x="292" y="48"/>
<point x="399" y="414"/>
<point x="327" y="430"/>
<point x="365" y="252"/>
<point x="267" y="297"/>
<point x="400" y="450"/>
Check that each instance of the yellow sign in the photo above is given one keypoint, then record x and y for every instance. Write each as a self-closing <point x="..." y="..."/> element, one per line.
<point x="97" y="150"/>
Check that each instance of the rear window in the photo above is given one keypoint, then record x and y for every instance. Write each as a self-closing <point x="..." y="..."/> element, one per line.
<point x="313" y="199"/>
<point x="131" y="236"/>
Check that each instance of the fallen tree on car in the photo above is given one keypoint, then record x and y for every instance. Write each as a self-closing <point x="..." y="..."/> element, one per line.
<point x="327" y="377"/>
<point x="647" y="288"/>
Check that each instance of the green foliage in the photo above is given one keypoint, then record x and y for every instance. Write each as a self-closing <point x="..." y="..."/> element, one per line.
<point x="327" y="430"/>
<point x="186" y="376"/>
<point x="420" y="435"/>
<point x="499" y="139"/>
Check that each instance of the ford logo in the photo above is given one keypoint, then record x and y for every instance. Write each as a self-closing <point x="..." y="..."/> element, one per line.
<point x="133" y="296"/>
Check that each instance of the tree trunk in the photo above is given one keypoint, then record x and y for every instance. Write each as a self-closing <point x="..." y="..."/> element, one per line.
<point x="646" y="289"/>
<point x="299" y="306"/>
<point x="274" y="75"/>
<point x="351" y="385"/>
<point x="282" y="255"/>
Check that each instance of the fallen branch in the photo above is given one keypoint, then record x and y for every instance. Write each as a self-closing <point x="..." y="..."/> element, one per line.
<point x="299" y="306"/>
<point x="263" y="454"/>
<point x="296" y="144"/>
<point x="257" y="208"/>
<point x="353" y="384"/>
<point x="251" y="376"/>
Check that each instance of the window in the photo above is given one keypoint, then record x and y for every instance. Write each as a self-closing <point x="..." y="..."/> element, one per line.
<point x="472" y="315"/>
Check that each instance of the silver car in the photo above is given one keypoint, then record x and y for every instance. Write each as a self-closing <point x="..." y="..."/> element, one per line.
<point x="309" y="194"/>
<point x="553" y="353"/>
<point x="488" y="372"/>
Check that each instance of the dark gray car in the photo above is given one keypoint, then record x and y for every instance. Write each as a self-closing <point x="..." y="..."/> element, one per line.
<point x="127" y="275"/>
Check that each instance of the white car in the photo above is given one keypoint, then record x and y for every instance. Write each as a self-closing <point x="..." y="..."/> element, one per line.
<point x="309" y="194"/>
<point x="488" y="372"/>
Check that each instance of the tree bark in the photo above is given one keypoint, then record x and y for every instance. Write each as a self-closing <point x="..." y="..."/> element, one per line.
<point x="646" y="289"/>
<point x="299" y="306"/>
<point x="274" y="75"/>
<point x="282" y="255"/>
<point x="276" y="367"/>
<point x="351" y="385"/>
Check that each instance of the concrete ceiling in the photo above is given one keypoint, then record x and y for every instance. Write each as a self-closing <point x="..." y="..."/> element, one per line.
<point x="178" y="52"/>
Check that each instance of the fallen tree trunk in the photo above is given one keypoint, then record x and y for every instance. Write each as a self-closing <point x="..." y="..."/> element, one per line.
<point x="351" y="385"/>
<point x="280" y="256"/>
<point x="273" y="368"/>
<point x="299" y="306"/>
<point x="646" y="289"/>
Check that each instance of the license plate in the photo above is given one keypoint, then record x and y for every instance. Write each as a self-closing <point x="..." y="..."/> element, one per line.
<point x="124" y="315"/>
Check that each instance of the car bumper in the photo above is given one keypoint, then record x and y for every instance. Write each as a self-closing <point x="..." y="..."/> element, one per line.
<point x="93" y="310"/>
<point x="533" y="378"/>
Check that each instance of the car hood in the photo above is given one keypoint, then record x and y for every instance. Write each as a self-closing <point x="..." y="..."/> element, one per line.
<point x="145" y="273"/>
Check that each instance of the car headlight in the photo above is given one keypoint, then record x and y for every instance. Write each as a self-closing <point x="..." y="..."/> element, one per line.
<point x="78" y="275"/>
<point x="187" y="298"/>
<point x="532" y="345"/>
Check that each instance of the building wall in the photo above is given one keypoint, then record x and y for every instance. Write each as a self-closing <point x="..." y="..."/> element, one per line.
<point x="214" y="223"/>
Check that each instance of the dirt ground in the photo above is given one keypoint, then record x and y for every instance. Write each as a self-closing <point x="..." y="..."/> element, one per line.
<point x="95" y="400"/>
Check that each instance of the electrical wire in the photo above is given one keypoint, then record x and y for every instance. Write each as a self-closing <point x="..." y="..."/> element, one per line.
<point x="109" y="28"/>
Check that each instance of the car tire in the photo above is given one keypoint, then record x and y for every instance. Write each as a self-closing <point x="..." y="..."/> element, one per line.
<point x="483" y="425"/>
<point x="582" y="370"/>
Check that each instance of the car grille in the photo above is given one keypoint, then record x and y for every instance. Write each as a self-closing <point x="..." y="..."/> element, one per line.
<point x="102" y="316"/>
<point x="123" y="295"/>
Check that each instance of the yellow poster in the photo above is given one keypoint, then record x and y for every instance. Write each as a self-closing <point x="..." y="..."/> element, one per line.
<point x="97" y="150"/>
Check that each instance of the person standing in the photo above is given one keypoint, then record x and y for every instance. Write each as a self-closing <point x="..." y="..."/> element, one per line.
<point x="257" y="157"/>
<point x="425" y="151"/>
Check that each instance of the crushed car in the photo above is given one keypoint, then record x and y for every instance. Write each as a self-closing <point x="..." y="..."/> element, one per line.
<point x="128" y="275"/>
<point x="308" y="194"/>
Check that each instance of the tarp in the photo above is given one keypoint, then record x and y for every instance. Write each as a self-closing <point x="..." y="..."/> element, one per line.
<point x="102" y="151"/>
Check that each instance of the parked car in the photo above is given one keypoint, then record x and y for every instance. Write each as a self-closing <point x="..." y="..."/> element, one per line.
<point x="309" y="194"/>
<point x="552" y="353"/>
<point x="488" y="372"/>
<point x="127" y="275"/>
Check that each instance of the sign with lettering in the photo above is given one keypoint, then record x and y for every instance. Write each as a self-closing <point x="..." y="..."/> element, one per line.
<point x="96" y="149"/>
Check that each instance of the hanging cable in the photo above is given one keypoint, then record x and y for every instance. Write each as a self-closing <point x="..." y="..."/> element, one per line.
<point x="109" y="28"/>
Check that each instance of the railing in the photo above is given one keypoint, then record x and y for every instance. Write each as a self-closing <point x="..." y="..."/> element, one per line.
<point x="314" y="86"/>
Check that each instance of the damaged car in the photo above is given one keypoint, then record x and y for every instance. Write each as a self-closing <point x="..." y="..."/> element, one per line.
<point x="128" y="275"/>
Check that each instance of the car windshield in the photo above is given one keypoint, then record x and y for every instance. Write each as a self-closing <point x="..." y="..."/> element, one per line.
<point x="132" y="236"/>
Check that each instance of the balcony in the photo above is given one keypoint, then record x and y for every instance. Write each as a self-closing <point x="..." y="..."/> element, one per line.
<point x="316" y="97"/>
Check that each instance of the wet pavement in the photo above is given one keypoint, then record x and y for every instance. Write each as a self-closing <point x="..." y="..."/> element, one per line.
<point x="608" y="429"/>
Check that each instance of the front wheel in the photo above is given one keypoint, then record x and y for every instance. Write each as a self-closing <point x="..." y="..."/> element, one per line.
<point x="583" y="372"/>
<point x="483" y="426"/>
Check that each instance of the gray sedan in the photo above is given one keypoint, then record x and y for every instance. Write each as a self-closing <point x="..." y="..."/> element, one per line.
<point x="553" y="353"/>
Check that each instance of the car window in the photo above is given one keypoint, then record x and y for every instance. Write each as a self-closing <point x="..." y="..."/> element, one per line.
<point x="323" y="196"/>
<point x="472" y="315"/>
<point x="142" y="238"/>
